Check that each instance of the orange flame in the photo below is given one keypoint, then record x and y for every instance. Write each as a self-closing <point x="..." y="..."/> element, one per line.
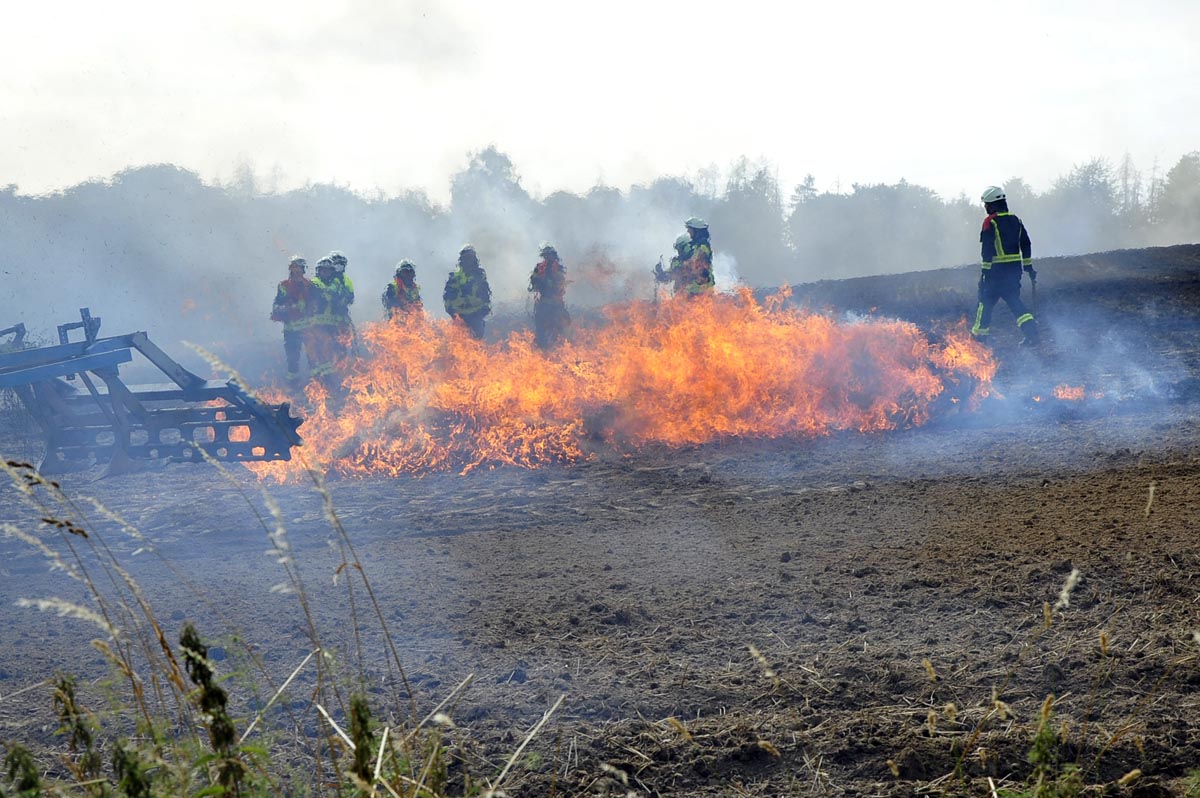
<point x="429" y="397"/>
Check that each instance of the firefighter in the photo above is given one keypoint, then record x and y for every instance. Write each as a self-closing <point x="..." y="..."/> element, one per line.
<point x="548" y="284"/>
<point x="677" y="273"/>
<point x="340" y="294"/>
<point x="691" y="269"/>
<point x="467" y="295"/>
<point x="402" y="295"/>
<point x="342" y="299"/>
<point x="1005" y="251"/>
<point x="295" y="300"/>
<point x="322" y="327"/>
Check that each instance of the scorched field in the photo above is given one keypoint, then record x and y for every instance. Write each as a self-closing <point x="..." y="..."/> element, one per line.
<point x="997" y="592"/>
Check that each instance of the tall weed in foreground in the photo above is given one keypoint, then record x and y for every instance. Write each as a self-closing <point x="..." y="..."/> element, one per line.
<point x="166" y="738"/>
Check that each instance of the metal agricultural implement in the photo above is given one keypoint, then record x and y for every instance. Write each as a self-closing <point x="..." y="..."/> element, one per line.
<point x="84" y="409"/>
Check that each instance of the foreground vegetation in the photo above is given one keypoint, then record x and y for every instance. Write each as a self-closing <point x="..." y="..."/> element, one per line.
<point x="171" y="730"/>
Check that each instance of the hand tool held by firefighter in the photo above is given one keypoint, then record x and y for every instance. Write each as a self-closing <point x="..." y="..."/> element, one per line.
<point x="659" y="274"/>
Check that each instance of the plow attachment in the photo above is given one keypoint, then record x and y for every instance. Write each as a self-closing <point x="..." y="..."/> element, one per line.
<point x="75" y="394"/>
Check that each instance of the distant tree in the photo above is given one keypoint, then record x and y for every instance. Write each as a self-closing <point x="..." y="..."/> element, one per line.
<point x="880" y="228"/>
<point x="748" y="223"/>
<point x="803" y="192"/>
<point x="675" y="196"/>
<point x="1130" y="209"/>
<point x="1154" y="189"/>
<point x="493" y="211"/>
<point x="1179" y="204"/>
<point x="1079" y="212"/>
<point x="1019" y="194"/>
<point x="708" y="181"/>
<point x="489" y="176"/>
<point x="245" y="182"/>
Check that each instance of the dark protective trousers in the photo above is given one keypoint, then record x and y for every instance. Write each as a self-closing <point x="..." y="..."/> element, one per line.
<point x="475" y="323"/>
<point x="550" y="322"/>
<point x="293" y="344"/>
<point x="994" y="286"/>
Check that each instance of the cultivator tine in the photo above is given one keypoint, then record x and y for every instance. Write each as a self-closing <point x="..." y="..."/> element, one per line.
<point x="17" y="331"/>
<point x="127" y="426"/>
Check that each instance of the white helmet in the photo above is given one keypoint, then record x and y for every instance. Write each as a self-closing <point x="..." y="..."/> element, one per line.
<point x="993" y="194"/>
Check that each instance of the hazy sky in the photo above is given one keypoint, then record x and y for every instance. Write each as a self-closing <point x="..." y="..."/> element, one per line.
<point x="393" y="95"/>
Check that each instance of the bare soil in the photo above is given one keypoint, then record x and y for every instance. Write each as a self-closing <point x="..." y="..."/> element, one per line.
<point x="812" y="617"/>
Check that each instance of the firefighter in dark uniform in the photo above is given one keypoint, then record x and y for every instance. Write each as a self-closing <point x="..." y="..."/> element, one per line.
<point x="548" y="284"/>
<point x="402" y="295"/>
<point x="467" y="295"/>
<point x="1005" y="251"/>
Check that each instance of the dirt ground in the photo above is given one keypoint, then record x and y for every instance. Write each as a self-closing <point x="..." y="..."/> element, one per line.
<point x="854" y="615"/>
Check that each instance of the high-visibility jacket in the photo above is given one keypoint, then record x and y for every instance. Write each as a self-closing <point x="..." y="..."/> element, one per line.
<point x="337" y="295"/>
<point x="1003" y="240"/>
<point x="399" y="296"/>
<point x="691" y="268"/>
<point x="294" y="303"/>
<point x="467" y="293"/>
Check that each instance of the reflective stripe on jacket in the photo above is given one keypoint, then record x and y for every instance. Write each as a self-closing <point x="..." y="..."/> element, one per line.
<point x="467" y="294"/>
<point x="294" y="303"/>
<point x="1003" y="240"/>
<point x="399" y="296"/>
<point x="337" y="295"/>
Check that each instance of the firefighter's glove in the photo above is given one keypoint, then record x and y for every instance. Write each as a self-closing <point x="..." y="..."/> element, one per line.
<point x="1032" y="274"/>
<point x="659" y="274"/>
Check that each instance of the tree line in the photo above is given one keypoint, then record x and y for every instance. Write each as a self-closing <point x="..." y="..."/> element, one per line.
<point x="156" y="246"/>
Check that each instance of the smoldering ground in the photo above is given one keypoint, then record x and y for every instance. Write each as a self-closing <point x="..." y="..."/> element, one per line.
<point x="635" y="583"/>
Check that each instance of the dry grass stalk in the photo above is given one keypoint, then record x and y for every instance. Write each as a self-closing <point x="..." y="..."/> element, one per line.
<point x="379" y="758"/>
<point x="57" y="563"/>
<point x="679" y="727"/>
<point x="1131" y="776"/>
<point x="767" y="670"/>
<point x="770" y="748"/>
<point x="275" y="697"/>
<point x="336" y="727"/>
<point x="1064" y="596"/>
<point x="67" y="609"/>
<point x="491" y="793"/>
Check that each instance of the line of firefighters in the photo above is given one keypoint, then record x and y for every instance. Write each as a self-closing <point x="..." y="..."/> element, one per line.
<point x="316" y="313"/>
